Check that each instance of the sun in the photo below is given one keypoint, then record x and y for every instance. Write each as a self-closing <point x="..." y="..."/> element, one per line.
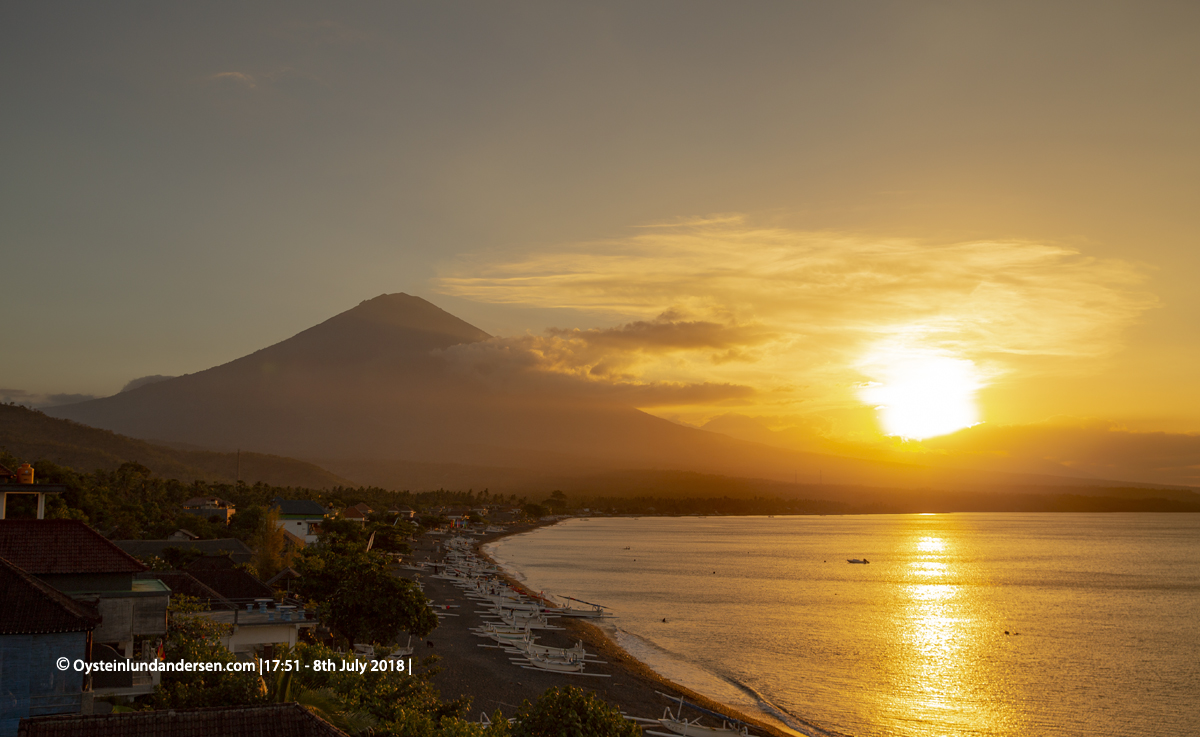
<point x="922" y="395"/>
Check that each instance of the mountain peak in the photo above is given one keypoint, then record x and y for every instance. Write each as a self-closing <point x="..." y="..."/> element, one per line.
<point x="407" y="312"/>
<point x="387" y="323"/>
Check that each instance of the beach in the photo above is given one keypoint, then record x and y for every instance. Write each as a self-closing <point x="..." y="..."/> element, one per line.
<point x="486" y="676"/>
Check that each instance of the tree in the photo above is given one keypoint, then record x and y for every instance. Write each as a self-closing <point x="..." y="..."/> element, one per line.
<point x="402" y="704"/>
<point x="571" y="712"/>
<point x="247" y="522"/>
<point x="342" y="535"/>
<point x="268" y="542"/>
<point x="196" y="639"/>
<point x="359" y="599"/>
<point x="534" y="510"/>
<point x="392" y="539"/>
<point x="288" y="686"/>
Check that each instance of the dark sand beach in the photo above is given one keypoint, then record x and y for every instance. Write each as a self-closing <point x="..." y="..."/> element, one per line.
<point x="491" y="681"/>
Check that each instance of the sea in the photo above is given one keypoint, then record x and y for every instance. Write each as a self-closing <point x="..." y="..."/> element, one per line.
<point x="958" y="624"/>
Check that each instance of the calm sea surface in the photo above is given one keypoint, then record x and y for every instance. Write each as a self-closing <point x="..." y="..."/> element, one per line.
<point x="1102" y="613"/>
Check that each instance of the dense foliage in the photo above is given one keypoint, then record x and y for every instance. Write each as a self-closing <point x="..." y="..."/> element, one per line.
<point x="195" y="639"/>
<point x="131" y="503"/>
<point x="358" y="598"/>
<point x="571" y="712"/>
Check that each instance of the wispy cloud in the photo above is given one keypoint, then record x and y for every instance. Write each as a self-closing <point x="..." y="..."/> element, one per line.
<point x="235" y="78"/>
<point x="813" y="304"/>
<point x="603" y="365"/>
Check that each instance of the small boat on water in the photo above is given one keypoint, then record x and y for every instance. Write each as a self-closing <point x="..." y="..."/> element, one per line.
<point x="857" y="560"/>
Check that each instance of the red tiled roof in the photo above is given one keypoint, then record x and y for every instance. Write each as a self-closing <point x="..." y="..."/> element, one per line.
<point x="276" y="720"/>
<point x="49" y="546"/>
<point x="31" y="607"/>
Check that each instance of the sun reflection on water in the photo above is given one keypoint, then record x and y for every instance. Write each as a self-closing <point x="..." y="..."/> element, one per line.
<point x="931" y="545"/>
<point x="942" y="663"/>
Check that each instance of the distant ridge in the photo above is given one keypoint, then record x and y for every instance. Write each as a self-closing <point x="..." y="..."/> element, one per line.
<point x="32" y="436"/>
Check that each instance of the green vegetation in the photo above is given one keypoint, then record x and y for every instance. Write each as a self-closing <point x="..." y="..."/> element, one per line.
<point x="286" y="687"/>
<point x="196" y="639"/>
<point x="359" y="599"/>
<point x="571" y="712"/>
<point x="131" y="502"/>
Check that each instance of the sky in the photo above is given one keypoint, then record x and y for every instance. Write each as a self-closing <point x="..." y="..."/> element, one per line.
<point x="794" y="212"/>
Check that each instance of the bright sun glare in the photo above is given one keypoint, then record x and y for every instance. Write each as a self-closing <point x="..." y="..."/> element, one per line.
<point x="924" y="395"/>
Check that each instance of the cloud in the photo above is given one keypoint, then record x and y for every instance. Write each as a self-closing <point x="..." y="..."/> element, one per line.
<point x="234" y="78"/>
<point x="994" y="295"/>
<point x="605" y="364"/>
<point x="668" y="333"/>
<point x="815" y="306"/>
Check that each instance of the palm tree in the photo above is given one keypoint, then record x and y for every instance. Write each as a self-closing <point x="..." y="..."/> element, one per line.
<point x="323" y="702"/>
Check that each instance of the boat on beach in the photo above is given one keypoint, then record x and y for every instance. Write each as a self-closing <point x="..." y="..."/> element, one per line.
<point x="681" y="727"/>
<point x="555" y="664"/>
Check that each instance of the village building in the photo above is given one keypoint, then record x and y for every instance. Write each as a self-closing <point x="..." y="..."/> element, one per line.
<point x="301" y="517"/>
<point x="39" y="624"/>
<point x="21" y="482"/>
<point x="258" y="617"/>
<point x="357" y="513"/>
<point x="212" y="508"/>
<point x="79" y="563"/>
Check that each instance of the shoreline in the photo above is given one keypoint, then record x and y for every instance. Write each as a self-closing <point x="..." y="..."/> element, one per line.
<point x="622" y="661"/>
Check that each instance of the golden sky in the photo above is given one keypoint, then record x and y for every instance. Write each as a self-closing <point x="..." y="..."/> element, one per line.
<point x="852" y="344"/>
<point x="793" y="212"/>
<point x="796" y="323"/>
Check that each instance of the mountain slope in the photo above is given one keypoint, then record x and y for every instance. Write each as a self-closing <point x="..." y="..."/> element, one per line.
<point x="31" y="436"/>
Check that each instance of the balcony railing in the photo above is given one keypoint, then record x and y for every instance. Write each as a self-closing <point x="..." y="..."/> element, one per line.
<point x="263" y="611"/>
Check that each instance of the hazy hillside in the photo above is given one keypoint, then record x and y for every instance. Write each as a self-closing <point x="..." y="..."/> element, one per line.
<point x="381" y="394"/>
<point x="31" y="435"/>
